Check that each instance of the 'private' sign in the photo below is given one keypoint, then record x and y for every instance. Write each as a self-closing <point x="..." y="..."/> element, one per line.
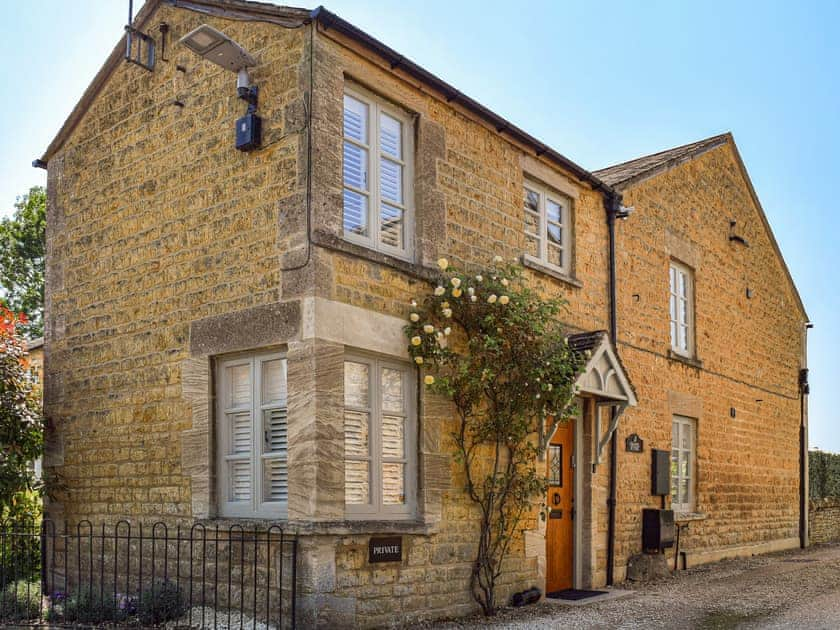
<point x="385" y="549"/>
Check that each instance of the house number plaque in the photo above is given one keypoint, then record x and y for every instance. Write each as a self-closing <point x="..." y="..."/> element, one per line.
<point x="386" y="549"/>
<point x="634" y="444"/>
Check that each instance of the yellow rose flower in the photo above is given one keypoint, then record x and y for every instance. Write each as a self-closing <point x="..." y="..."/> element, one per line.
<point x="429" y="379"/>
<point x="492" y="299"/>
<point x="504" y="299"/>
<point x="456" y="292"/>
<point x="447" y="330"/>
<point x="414" y="317"/>
<point x="447" y="312"/>
<point x="418" y="360"/>
<point x="443" y="264"/>
<point x="456" y="282"/>
<point x="439" y="290"/>
<point x="428" y="329"/>
<point x="416" y="341"/>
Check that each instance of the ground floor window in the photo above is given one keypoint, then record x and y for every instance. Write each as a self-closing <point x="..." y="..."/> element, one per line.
<point x="683" y="449"/>
<point x="252" y="436"/>
<point x="379" y="438"/>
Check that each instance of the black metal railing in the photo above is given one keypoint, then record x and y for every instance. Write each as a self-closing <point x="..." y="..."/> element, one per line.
<point x="195" y="576"/>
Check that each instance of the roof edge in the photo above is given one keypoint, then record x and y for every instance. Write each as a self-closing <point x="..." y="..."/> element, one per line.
<point x="707" y="145"/>
<point x="95" y="86"/>
<point x="703" y="146"/>
<point x="332" y="21"/>
<point x="228" y="9"/>
<point x="245" y="10"/>
<point x="763" y="215"/>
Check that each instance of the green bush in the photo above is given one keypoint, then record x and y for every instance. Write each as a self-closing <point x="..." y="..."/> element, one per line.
<point x="87" y="606"/>
<point x="160" y="602"/>
<point x="20" y="542"/>
<point x="824" y="474"/>
<point x="20" y="601"/>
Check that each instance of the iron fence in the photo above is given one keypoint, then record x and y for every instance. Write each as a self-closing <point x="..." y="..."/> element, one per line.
<point x="149" y="575"/>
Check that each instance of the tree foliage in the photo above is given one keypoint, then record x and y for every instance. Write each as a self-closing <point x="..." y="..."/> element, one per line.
<point x="22" y="254"/>
<point x="21" y="427"/>
<point x="499" y="352"/>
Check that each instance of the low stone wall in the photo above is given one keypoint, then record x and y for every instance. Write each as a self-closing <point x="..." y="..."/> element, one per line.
<point x="824" y="520"/>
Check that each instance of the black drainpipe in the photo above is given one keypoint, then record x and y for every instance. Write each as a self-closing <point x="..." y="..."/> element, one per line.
<point x="804" y="390"/>
<point x="613" y="207"/>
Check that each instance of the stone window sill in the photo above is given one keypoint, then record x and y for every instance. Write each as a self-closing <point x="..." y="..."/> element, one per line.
<point x="320" y="528"/>
<point x="681" y="358"/>
<point x="537" y="265"/>
<point x="330" y="241"/>
<point x="688" y="517"/>
<point x="351" y="527"/>
<point x="248" y="525"/>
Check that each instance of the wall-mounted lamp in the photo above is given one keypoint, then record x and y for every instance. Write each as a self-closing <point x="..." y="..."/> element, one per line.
<point x="215" y="46"/>
<point x="624" y="212"/>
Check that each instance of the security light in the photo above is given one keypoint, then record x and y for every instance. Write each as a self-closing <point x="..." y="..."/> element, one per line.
<point x="215" y="46"/>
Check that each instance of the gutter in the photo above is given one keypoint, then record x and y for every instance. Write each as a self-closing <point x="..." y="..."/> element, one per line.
<point x="395" y="60"/>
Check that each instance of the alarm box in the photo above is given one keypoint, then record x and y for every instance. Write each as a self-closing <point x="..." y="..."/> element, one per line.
<point x="248" y="132"/>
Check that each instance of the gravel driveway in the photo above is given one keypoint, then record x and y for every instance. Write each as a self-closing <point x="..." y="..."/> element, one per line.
<point x="793" y="589"/>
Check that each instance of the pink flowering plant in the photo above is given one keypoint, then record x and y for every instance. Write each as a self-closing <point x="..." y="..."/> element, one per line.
<point x="498" y="350"/>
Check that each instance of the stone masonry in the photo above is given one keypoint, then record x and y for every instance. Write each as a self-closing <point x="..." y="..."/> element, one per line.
<point x="167" y="249"/>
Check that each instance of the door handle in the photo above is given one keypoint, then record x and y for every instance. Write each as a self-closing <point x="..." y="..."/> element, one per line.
<point x="555" y="514"/>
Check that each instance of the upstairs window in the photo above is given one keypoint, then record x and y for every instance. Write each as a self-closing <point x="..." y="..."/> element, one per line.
<point x="252" y="436"/>
<point x="682" y="309"/>
<point x="379" y="438"/>
<point x="378" y="146"/>
<point x="548" y="227"/>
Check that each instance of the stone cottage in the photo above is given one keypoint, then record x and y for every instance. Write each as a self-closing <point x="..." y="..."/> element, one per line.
<point x="222" y="323"/>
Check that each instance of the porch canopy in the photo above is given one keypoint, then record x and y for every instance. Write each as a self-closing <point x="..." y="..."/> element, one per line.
<point x="604" y="379"/>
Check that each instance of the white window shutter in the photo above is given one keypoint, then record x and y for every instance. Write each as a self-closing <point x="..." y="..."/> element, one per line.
<point x="252" y="428"/>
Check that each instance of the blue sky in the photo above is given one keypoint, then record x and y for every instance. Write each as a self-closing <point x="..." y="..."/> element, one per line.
<point x="601" y="82"/>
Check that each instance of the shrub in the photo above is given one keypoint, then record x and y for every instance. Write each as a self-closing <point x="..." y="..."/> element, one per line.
<point x="824" y="474"/>
<point x="87" y="606"/>
<point x="20" y="601"/>
<point x="497" y="349"/>
<point x="163" y="601"/>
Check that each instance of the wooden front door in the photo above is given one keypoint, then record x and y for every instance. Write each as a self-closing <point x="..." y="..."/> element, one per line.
<point x="559" y="537"/>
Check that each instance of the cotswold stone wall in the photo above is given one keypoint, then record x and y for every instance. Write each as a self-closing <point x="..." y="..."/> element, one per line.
<point x="166" y="248"/>
<point x="468" y="198"/>
<point x="749" y="352"/>
<point x="824" y="520"/>
<point x="155" y="221"/>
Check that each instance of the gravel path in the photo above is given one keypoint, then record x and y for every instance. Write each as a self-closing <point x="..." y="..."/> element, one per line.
<point x="794" y="589"/>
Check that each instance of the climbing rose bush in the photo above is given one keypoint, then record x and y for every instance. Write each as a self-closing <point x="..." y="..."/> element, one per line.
<point x="497" y="349"/>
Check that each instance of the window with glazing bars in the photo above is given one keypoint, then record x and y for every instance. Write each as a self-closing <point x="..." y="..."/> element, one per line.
<point x="379" y="438"/>
<point x="252" y="445"/>
<point x="682" y="463"/>
<point x="548" y="227"/>
<point x="378" y="149"/>
<point x="681" y="309"/>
